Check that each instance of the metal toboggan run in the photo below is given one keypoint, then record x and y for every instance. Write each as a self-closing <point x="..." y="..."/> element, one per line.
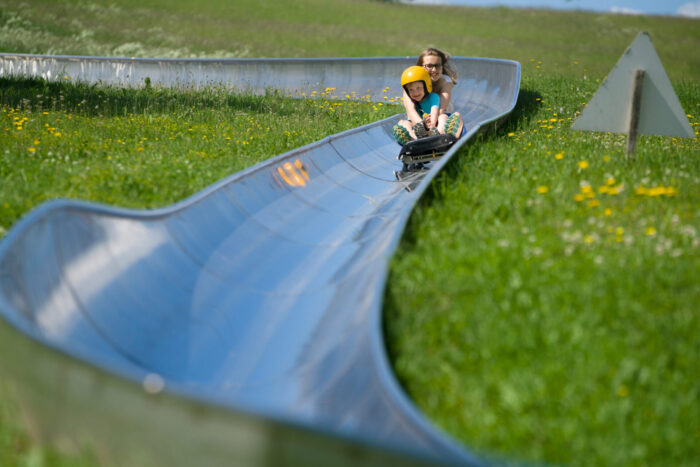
<point x="243" y="325"/>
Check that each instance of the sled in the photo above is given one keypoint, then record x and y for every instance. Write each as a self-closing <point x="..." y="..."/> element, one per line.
<point x="418" y="152"/>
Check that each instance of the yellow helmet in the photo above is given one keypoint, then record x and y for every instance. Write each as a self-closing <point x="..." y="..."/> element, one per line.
<point x="417" y="73"/>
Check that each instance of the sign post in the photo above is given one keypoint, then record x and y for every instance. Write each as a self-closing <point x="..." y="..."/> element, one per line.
<point x="636" y="98"/>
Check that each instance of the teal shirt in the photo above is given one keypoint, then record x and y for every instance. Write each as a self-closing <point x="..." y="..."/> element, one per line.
<point x="427" y="104"/>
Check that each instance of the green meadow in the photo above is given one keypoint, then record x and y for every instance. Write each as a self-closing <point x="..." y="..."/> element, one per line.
<point x="543" y="303"/>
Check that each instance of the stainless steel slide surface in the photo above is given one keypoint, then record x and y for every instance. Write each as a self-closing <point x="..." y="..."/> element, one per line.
<point x="257" y="301"/>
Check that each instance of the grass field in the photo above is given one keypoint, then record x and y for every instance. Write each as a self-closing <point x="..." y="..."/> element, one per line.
<point x="543" y="302"/>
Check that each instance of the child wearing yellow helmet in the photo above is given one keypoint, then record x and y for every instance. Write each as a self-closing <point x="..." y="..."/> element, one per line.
<point x="416" y="82"/>
<point x="442" y="78"/>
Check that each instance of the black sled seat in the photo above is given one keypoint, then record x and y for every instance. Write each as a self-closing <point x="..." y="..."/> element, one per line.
<point x="425" y="149"/>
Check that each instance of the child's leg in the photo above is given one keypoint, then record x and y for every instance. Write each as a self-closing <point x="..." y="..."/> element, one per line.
<point x="409" y="127"/>
<point x="442" y="120"/>
<point x="403" y="132"/>
<point x="454" y="125"/>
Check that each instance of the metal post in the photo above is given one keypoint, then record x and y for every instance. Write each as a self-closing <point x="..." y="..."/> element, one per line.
<point x="634" y="111"/>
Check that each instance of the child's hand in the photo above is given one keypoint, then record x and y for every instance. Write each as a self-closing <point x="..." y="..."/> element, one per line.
<point x="428" y="122"/>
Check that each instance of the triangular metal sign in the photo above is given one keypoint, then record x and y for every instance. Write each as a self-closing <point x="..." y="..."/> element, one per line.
<point x="660" y="111"/>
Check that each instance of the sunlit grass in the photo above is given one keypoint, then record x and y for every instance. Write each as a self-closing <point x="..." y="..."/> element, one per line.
<point x="543" y="305"/>
<point x="149" y="148"/>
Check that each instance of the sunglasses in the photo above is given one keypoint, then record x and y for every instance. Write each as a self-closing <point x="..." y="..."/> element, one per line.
<point x="431" y="66"/>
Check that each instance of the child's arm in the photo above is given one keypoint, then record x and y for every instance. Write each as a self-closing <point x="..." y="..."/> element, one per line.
<point x="431" y="120"/>
<point x="410" y="107"/>
<point x="434" y="114"/>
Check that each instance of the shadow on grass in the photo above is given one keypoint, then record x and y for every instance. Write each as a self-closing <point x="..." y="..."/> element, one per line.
<point x="37" y="94"/>
<point x="526" y="106"/>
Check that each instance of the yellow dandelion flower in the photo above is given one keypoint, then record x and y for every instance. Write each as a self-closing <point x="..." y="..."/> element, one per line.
<point x="583" y="165"/>
<point x="623" y="391"/>
<point x="542" y="189"/>
<point x="651" y="231"/>
<point x="588" y="239"/>
<point x="594" y="203"/>
<point x="578" y="197"/>
<point x="608" y="212"/>
<point x="31" y="149"/>
<point x="559" y="156"/>
<point x="619" y="231"/>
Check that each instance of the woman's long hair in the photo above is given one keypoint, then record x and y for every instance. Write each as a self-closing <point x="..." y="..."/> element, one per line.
<point x="444" y="58"/>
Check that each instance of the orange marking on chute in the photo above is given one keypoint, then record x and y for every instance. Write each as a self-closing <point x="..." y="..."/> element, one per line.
<point x="291" y="176"/>
<point x="300" y="166"/>
<point x="289" y="168"/>
<point x="284" y="176"/>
